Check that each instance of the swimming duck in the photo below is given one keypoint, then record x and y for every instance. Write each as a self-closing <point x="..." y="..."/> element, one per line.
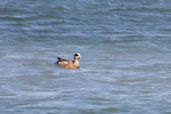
<point x="69" y="64"/>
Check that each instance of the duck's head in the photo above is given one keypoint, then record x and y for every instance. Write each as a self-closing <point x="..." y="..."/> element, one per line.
<point x="77" y="56"/>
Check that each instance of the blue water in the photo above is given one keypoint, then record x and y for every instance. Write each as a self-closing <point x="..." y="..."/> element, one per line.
<point x="126" y="56"/>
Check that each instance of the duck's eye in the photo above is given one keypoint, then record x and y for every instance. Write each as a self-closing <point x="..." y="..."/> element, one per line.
<point x="76" y="54"/>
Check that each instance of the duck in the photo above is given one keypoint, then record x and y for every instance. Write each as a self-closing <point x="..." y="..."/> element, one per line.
<point x="70" y="64"/>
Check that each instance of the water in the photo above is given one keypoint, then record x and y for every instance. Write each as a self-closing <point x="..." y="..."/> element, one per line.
<point x="125" y="47"/>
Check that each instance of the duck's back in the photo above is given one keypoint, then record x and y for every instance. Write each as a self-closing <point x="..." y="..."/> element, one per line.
<point x="67" y="63"/>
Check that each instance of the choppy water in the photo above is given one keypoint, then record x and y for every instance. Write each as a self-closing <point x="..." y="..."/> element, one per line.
<point x="126" y="56"/>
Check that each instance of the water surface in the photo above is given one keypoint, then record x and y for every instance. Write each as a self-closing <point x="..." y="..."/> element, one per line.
<point x="125" y="47"/>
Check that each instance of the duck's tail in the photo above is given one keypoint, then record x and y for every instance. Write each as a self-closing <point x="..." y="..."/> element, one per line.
<point x="59" y="59"/>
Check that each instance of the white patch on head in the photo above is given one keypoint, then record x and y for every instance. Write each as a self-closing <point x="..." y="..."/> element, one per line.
<point x="65" y="62"/>
<point x="59" y="62"/>
<point x="79" y="55"/>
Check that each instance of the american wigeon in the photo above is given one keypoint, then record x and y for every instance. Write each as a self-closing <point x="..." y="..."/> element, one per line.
<point x="69" y="64"/>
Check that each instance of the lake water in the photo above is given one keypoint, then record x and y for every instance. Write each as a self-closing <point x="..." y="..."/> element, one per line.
<point x="126" y="56"/>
